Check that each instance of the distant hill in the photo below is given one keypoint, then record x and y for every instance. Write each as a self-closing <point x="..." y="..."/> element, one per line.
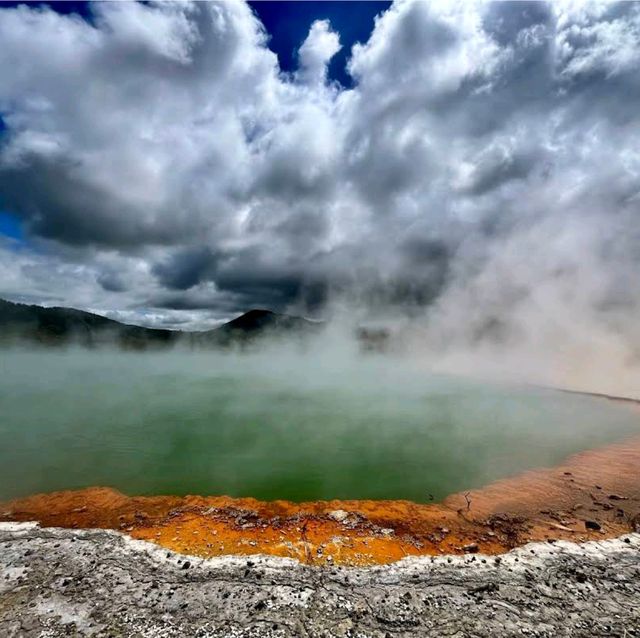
<point x="257" y="324"/>
<point x="66" y="326"/>
<point x="58" y="326"/>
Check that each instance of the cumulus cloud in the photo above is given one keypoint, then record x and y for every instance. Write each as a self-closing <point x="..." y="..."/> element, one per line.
<point x="317" y="50"/>
<point x="482" y="172"/>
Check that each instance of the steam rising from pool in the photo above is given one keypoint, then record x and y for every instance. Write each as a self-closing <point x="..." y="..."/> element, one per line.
<point x="282" y="422"/>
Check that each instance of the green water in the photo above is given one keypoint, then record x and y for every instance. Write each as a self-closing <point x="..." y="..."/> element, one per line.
<point x="299" y="427"/>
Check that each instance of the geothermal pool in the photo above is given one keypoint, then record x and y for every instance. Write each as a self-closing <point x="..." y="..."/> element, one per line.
<point x="284" y="425"/>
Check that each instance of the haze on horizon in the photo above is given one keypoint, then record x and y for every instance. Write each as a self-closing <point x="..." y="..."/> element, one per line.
<point x="473" y="168"/>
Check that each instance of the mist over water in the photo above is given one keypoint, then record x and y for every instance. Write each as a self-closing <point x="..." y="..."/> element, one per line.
<point x="283" y="422"/>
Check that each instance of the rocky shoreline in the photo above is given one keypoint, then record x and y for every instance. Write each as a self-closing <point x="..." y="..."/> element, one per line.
<point x="591" y="496"/>
<point x="61" y="582"/>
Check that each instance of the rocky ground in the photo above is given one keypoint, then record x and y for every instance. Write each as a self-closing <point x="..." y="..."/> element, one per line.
<point x="61" y="582"/>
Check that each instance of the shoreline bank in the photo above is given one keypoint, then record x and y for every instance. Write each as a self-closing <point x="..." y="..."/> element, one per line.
<point x="591" y="495"/>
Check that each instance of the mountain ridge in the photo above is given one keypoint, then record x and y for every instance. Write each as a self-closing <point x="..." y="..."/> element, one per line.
<point x="60" y="326"/>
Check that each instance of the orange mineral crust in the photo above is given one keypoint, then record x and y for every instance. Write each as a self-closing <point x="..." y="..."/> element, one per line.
<point x="595" y="494"/>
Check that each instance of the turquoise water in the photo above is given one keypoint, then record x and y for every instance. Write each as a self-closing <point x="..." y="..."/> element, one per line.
<point x="291" y="426"/>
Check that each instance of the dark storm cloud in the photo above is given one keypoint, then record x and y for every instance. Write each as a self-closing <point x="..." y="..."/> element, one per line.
<point x="253" y="275"/>
<point x="185" y="269"/>
<point x="424" y="251"/>
<point x="242" y="278"/>
<point x="112" y="282"/>
<point x="55" y="203"/>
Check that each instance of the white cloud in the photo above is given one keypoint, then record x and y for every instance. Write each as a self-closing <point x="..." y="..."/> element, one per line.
<point x="598" y="38"/>
<point x="317" y="50"/>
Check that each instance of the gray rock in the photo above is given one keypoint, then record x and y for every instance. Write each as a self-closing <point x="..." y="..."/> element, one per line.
<point x="56" y="583"/>
<point x="338" y="515"/>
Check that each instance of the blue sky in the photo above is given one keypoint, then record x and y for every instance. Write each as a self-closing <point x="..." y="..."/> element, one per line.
<point x="288" y="23"/>
<point x="10" y="225"/>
